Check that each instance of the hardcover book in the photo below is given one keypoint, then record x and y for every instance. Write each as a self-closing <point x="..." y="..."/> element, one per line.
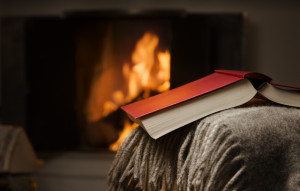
<point x="223" y="89"/>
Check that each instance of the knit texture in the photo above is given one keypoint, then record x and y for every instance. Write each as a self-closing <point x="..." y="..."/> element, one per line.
<point x="252" y="149"/>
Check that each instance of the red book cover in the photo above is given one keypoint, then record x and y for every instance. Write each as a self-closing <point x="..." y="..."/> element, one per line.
<point x="217" y="80"/>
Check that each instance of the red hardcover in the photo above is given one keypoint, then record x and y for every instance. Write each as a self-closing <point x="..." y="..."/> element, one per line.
<point x="217" y="80"/>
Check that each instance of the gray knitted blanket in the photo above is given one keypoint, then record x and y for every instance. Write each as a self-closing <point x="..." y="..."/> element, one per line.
<point x="252" y="149"/>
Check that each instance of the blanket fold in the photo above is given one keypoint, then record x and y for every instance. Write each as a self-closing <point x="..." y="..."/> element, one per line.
<point x="252" y="148"/>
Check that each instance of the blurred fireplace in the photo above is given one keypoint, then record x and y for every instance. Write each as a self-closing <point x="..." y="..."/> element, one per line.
<point x="64" y="79"/>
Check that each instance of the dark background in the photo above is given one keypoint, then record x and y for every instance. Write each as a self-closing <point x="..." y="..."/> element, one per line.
<point x="271" y="46"/>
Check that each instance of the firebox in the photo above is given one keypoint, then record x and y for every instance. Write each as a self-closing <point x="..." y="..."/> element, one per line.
<point x="65" y="78"/>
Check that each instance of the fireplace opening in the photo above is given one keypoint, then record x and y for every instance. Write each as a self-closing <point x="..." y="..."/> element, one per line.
<point x="117" y="62"/>
<point x="78" y="70"/>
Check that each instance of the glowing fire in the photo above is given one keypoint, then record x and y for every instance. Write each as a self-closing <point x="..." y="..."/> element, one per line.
<point x="146" y="73"/>
<point x="128" y="127"/>
<point x="148" y="70"/>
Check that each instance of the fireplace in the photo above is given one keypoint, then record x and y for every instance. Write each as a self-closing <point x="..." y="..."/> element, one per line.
<point x="64" y="78"/>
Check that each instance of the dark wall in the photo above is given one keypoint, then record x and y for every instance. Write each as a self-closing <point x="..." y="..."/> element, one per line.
<point x="273" y="26"/>
<point x="13" y="75"/>
<point x="38" y="75"/>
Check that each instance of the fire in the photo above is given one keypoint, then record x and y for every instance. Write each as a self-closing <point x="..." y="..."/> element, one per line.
<point x="145" y="75"/>
<point x="164" y="72"/>
<point x="148" y="70"/>
<point x="122" y="135"/>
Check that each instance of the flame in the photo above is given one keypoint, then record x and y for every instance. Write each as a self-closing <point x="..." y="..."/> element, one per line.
<point x="128" y="127"/>
<point x="164" y="72"/>
<point x="143" y="76"/>
<point x="148" y="70"/>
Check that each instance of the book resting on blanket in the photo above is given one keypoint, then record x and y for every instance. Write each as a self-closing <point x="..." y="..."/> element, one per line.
<point x="244" y="148"/>
<point x="223" y="89"/>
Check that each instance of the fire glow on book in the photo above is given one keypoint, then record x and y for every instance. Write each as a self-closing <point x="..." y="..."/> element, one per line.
<point x="221" y="90"/>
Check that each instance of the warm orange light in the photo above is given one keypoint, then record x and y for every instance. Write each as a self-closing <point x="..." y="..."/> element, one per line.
<point x="122" y="136"/>
<point x="164" y="72"/>
<point x="143" y="61"/>
<point x="115" y="85"/>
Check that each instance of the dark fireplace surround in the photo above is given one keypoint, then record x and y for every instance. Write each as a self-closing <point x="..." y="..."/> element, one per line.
<point x="39" y="70"/>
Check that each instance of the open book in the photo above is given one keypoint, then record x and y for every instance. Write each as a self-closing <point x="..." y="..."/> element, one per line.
<point x="223" y="89"/>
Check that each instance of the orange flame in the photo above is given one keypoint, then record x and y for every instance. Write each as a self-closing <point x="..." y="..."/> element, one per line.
<point x="142" y="76"/>
<point x="148" y="70"/>
<point x="164" y="72"/>
<point x="122" y="135"/>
